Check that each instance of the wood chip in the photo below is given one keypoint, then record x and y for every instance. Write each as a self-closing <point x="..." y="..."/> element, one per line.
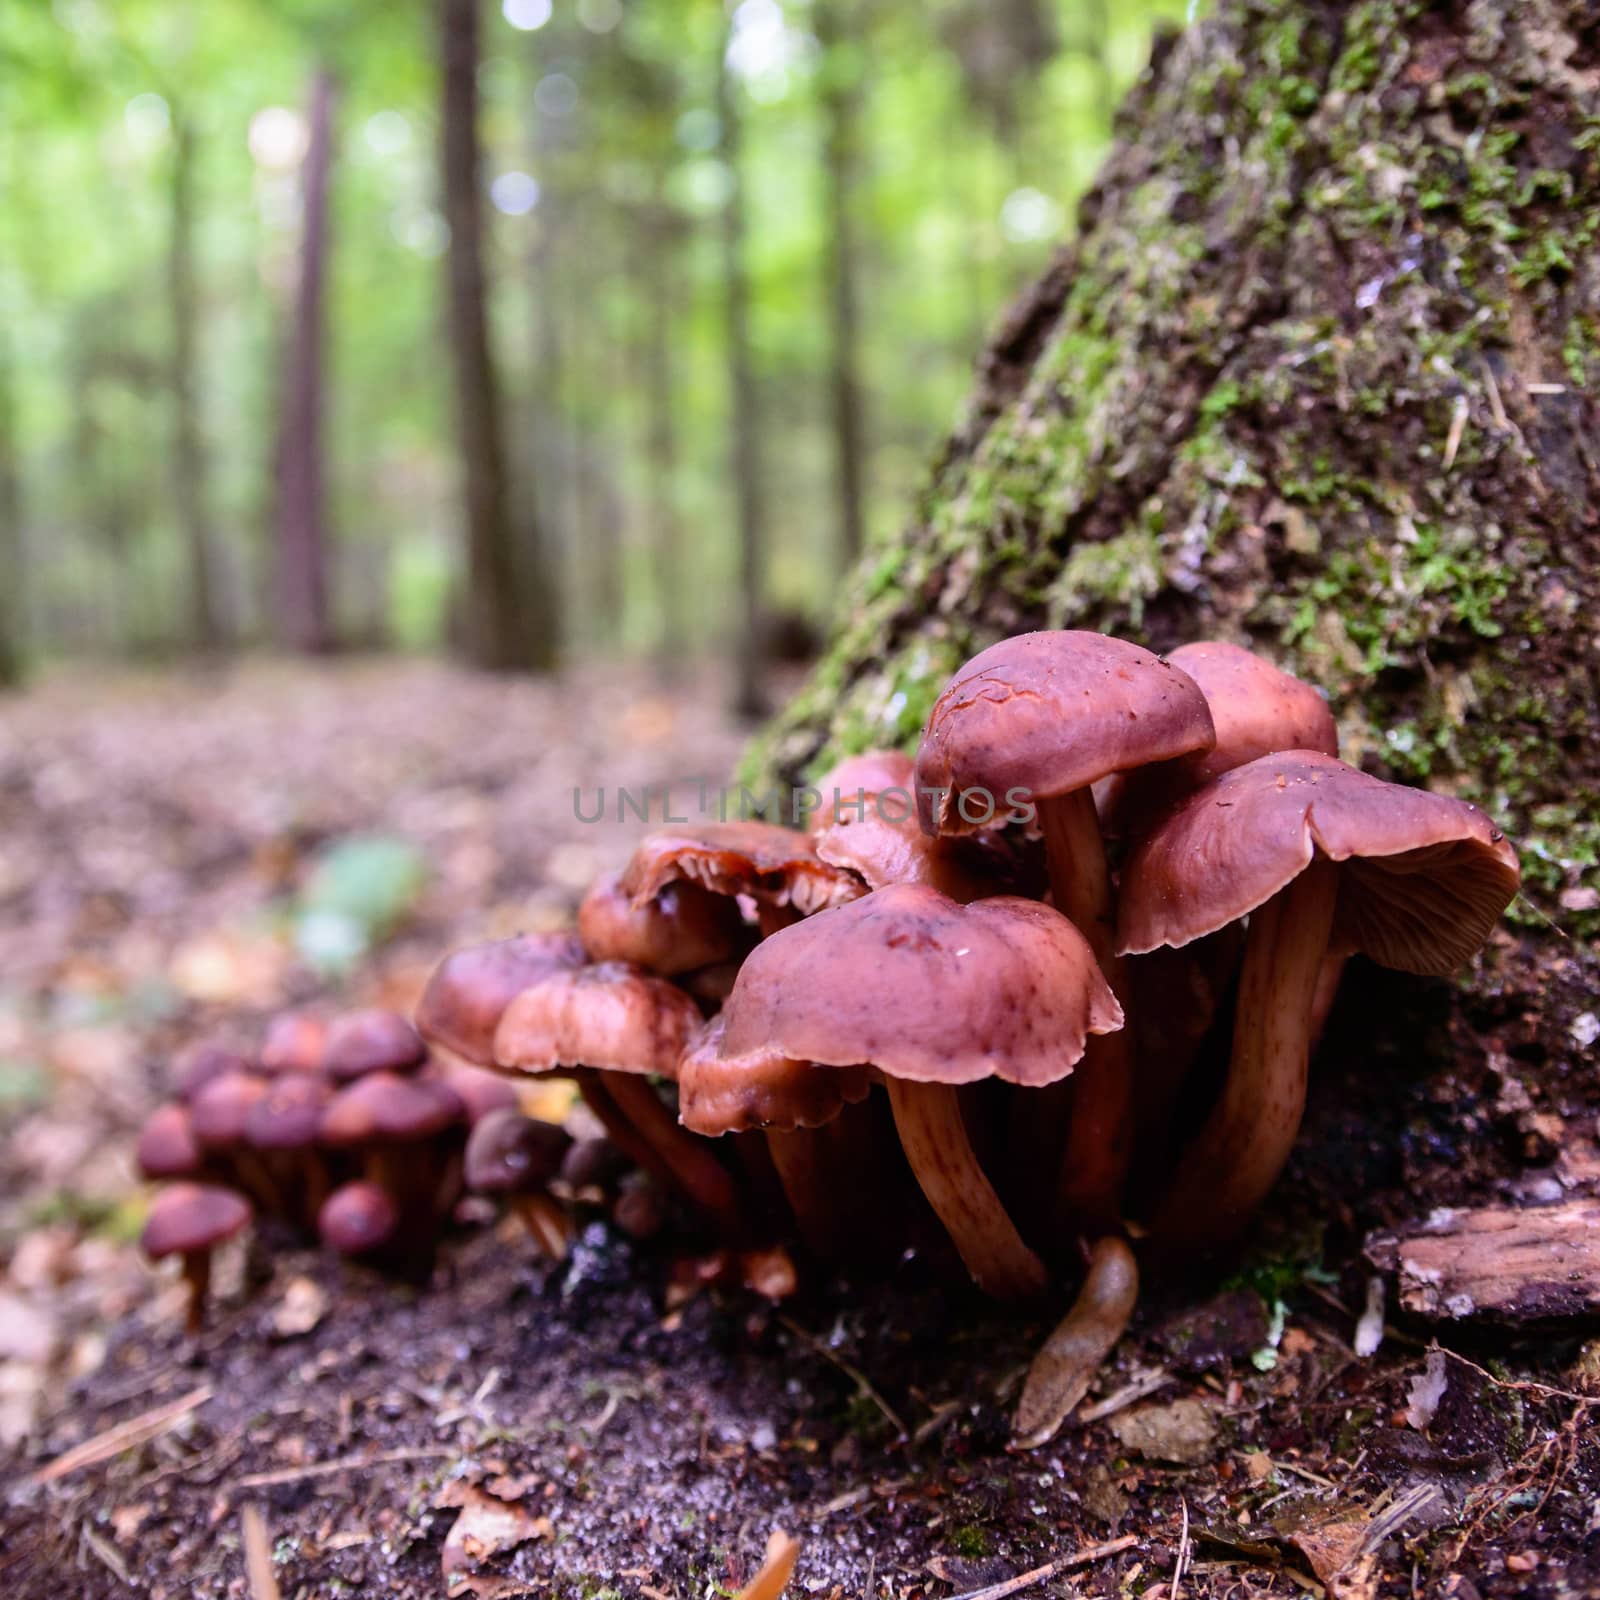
<point x="769" y="1583"/>
<point x="1500" y="1264"/>
<point x="258" y="1555"/>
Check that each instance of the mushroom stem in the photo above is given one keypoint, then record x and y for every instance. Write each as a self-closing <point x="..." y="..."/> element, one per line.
<point x="1079" y="1343"/>
<point x="802" y="1165"/>
<point x="197" y="1275"/>
<point x="546" y="1221"/>
<point x="1237" y="1156"/>
<point x="683" y="1160"/>
<point x="1099" y="1135"/>
<point x="928" y="1119"/>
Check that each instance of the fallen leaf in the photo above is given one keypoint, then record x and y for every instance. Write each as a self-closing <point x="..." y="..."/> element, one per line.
<point x="1183" y="1431"/>
<point x="486" y="1527"/>
<point x="783" y="1551"/>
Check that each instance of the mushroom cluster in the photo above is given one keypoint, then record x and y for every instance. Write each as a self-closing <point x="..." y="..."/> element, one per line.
<point x="343" y="1131"/>
<point x="894" y="1016"/>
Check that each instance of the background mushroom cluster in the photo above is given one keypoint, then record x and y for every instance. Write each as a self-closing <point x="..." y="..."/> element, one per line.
<point x="1037" y="1003"/>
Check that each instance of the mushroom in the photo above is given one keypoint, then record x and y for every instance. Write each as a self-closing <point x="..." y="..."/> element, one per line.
<point x="371" y="1041"/>
<point x="396" y="1125"/>
<point x="284" y="1126"/>
<point x="848" y="786"/>
<point x="777" y="867"/>
<point x="682" y="929"/>
<point x="202" y="1061"/>
<point x="515" y="1156"/>
<point x="612" y="1026"/>
<point x="217" y="1117"/>
<point x="1318" y="856"/>
<point x="1040" y="718"/>
<point x="167" y="1146"/>
<point x="359" y="1219"/>
<point x="481" y="1091"/>
<point x="470" y="989"/>
<point x="1256" y="709"/>
<point x="294" y="1042"/>
<point x="190" y="1220"/>
<point x="929" y="995"/>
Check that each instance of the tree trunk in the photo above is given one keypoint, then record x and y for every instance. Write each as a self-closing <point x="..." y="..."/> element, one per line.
<point x="508" y="622"/>
<point x="745" y="422"/>
<point x="11" y="541"/>
<point x="189" y="464"/>
<point x="1319" y="374"/>
<point x="659" y="298"/>
<point x="841" y="78"/>
<point x="304" y="618"/>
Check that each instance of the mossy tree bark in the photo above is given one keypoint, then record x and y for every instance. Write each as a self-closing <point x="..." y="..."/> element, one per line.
<point x="1319" y="374"/>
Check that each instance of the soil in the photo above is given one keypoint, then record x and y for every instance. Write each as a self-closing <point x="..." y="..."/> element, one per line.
<point x="519" y="1429"/>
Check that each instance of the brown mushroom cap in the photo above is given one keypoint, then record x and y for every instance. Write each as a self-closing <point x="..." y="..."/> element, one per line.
<point x="218" y="1112"/>
<point x="763" y="1088"/>
<point x="167" y="1146"/>
<point x="358" y="1217"/>
<point x="1256" y="709"/>
<point x="470" y="989"/>
<point x="192" y="1216"/>
<point x="481" y="1091"/>
<point x="294" y="1042"/>
<point x="772" y="864"/>
<point x="199" y="1063"/>
<point x="872" y="772"/>
<point x="887" y="845"/>
<point x="1050" y="713"/>
<point x="908" y="982"/>
<point x="610" y="1016"/>
<point x="1425" y="879"/>
<point x="371" y="1041"/>
<point x="508" y="1152"/>
<point x="289" y="1115"/>
<point x="384" y="1108"/>
<point x="683" y="928"/>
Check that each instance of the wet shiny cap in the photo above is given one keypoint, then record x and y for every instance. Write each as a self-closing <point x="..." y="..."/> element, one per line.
<point x="1425" y="877"/>
<point x="470" y="989"/>
<point x="682" y="929"/>
<point x="1051" y="713"/>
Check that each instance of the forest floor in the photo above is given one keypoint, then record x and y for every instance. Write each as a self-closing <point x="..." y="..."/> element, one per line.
<point x="179" y="854"/>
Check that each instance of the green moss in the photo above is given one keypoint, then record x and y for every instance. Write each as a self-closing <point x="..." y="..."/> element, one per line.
<point x="971" y="1541"/>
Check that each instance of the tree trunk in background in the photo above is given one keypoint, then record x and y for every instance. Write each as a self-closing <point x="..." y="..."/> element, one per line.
<point x="304" y="616"/>
<point x="11" y="543"/>
<point x="745" y="421"/>
<point x="841" y="79"/>
<point x="189" y="465"/>
<point x="659" y="299"/>
<point x="545" y="496"/>
<point x="1319" y="375"/>
<point x="508" y="597"/>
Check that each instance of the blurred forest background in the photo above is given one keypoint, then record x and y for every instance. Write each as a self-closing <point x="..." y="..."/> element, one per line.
<point x="583" y="326"/>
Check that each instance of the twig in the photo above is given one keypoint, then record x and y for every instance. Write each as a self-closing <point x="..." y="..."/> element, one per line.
<point x="258" y="1555"/>
<point x="855" y="1374"/>
<point x="322" y="1469"/>
<point x="1145" y="1384"/>
<point x="1185" y="1552"/>
<point x="124" y="1436"/>
<point x="1026" y="1580"/>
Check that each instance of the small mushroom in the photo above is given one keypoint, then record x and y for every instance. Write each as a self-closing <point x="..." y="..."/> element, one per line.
<point x="371" y="1041"/>
<point x="470" y="990"/>
<point x="1318" y="856"/>
<point x="217" y="1117"/>
<point x="612" y="1026"/>
<point x="284" y="1127"/>
<point x="167" y="1146"/>
<point x="682" y="929"/>
<point x="359" y="1219"/>
<point x="202" y="1061"/>
<point x="849" y="787"/>
<point x="516" y="1157"/>
<point x="1043" y="717"/>
<point x="481" y="1091"/>
<point x="929" y="995"/>
<point x="294" y="1042"/>
<point x="190" y="1220"/>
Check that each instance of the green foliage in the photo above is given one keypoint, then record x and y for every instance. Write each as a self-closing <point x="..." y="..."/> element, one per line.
<point x="359" y="891"/>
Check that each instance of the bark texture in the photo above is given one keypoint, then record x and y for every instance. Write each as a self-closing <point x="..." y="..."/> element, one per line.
<point x="1319" y="374"/>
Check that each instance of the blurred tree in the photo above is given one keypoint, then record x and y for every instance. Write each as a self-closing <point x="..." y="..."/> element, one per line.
<point x="190" y="468"/>
<point x="841" y="77"/>
<point x="509" y="617"/>
<point x="743" y="398"/>
<point x="13" y="577"/>
<point x="305" y="617"/>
